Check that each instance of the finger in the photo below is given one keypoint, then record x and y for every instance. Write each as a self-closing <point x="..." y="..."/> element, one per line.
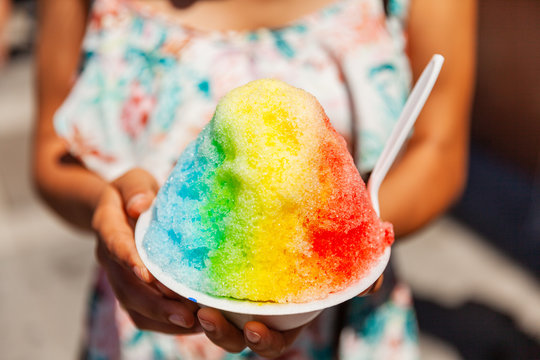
<point x="266" y="342"/>
<point x="168" y="293"/>
<point x="377" y="285"/>
<point x="138" y="189"/>
<point x="147" y="301"/>
<point x="220" y="331"/>
<point x="144" y="323"/>
<point x="115" y="234"/>
<point x="373" y="288"/>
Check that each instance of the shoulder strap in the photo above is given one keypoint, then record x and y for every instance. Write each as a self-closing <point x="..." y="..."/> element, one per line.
<point x="397" y="9"/>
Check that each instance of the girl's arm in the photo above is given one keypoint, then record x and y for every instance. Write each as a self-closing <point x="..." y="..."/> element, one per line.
<point x="84" y="198"/>
<point x="67" y="187"/>
<point x="431" y="172"/>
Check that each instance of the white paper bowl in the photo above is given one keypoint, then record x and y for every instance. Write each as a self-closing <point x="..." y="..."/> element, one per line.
<point x="274" y="315"/>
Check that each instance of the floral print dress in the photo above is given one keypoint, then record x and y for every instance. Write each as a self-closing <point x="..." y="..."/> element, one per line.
<point x="148" y="85"/>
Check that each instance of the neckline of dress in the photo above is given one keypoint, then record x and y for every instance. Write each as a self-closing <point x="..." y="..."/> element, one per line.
<point x="142" y="11"/>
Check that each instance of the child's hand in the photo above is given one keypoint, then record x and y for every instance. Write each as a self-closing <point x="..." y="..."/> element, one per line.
<point x="259" y="338"/>
<point x="255" y="335"/>
<point x="139" y="293"/>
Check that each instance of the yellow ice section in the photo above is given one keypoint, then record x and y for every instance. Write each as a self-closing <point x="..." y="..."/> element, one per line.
<point x="271" y="144"/>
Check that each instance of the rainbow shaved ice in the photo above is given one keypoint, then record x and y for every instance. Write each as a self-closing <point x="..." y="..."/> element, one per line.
<point x="266" y="204"/>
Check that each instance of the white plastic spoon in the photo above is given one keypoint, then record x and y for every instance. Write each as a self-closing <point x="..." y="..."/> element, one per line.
<point x="414" y="104"/>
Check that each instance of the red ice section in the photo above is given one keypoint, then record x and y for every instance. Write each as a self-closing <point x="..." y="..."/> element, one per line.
<point x="347" y="234"/>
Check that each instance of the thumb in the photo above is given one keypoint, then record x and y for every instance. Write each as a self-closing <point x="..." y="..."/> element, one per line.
<point x="115" y="237"/>
<point x="138" y="189"/>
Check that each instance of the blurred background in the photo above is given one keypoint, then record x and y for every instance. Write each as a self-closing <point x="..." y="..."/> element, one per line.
<point x="474" y="272"/>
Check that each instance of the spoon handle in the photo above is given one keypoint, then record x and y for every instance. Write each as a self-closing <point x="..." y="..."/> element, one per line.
<point x="407" y="118"/>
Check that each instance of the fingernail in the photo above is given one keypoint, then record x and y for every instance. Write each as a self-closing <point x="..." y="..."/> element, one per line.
<point x="142" y="274"/>
<point x="253" y="337"/>
<point x="207" y="325"/>
<point x="178" y="320"/>
<point x="138" y="273"/>
<point x="145" y="275"/>
<point x="134" y="200"/>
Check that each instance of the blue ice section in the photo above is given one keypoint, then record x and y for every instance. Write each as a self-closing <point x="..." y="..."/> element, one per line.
<point x="175" y="240"/>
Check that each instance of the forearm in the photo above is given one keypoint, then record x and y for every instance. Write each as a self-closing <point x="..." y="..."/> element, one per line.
<point x="431" y="173"/>
<point x="425" y="181"/>
<point x="69" y="188"/>
<point x="432" y="169"/>
<point x="65" y="185"/>
<point x="5" y="12"/>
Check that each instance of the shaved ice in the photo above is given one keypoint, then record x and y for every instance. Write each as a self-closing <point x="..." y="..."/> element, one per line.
<point x="266" y="204"/>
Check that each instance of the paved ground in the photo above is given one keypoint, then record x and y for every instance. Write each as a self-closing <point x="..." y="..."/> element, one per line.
<point x="45" y="267"/>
